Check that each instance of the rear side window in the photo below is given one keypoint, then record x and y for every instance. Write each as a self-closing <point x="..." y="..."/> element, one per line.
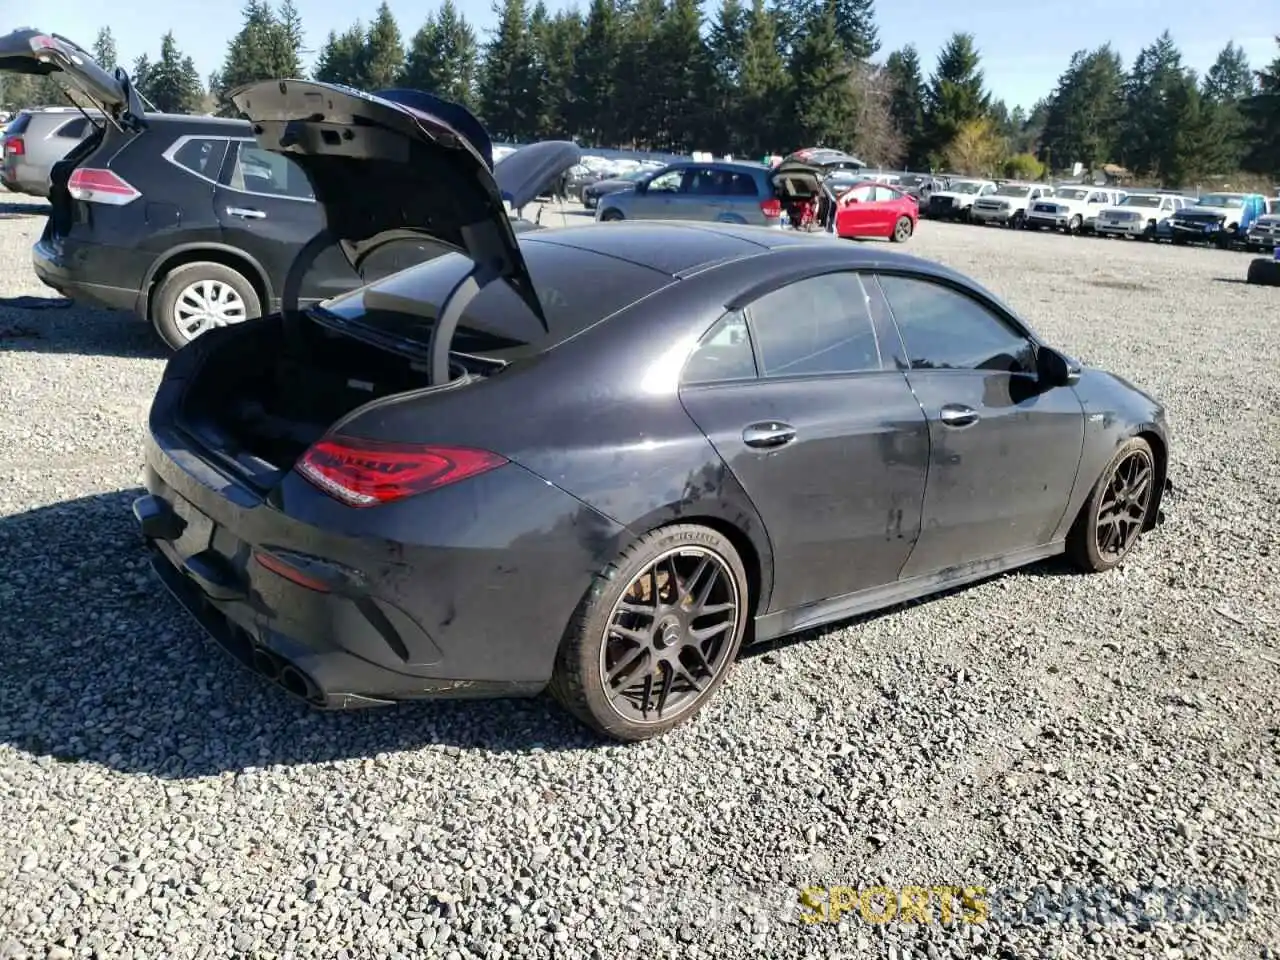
<point x="884" y="194"/>
<point x="577" y="288"/>
<point x="73" y="129"/>
<point x="820" y="325"/>
<point x="18" y="125"/>
<point x="262" y="172"/>
<point x="202" y="156"/>
<point x="724" y="353"/>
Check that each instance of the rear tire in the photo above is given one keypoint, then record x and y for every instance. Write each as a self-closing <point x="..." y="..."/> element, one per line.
<point x="1264" y="272"/>
<point x="902" y="230"/>
<point x="1094" y="543"/>
<point x="197" y="297"/>
<point x="592" y="646"/>
<point x="611" y="215"/>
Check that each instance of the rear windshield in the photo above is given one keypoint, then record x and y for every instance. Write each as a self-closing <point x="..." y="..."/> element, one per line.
<point x="577" y="288"/>
<point x="17" y="125"/>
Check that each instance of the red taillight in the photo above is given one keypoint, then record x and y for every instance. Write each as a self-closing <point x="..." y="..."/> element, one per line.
<point x="771" y="207"/>
<point x="365" y="473"/>
<point x="14" y="147"/>
<point x="101" y="186"/>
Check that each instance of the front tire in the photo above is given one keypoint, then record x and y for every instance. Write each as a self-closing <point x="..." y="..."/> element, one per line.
<point x="902" y="230"/>
<point x="611" y="215"/>
<point x="655" y="635"/>
<point x="1117" y="511"/>
<point x="1264" y="272"/>
<point x="197" y="297"/>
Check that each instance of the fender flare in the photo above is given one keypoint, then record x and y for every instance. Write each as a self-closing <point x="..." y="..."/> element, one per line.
<point x="143" y="303"/>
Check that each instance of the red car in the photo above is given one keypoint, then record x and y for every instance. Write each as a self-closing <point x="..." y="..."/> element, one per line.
<point x="870" y="209"/>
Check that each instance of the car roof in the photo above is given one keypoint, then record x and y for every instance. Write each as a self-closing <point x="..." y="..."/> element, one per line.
<point x="681" y="248"/>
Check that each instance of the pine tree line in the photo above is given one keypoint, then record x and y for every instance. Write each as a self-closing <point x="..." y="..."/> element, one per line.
<point x="762" y="76"/>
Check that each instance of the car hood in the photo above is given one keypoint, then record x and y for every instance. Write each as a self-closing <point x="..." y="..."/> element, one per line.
<point x="1209" y="211"/>
<point x="610" y="184"/>
<point x="388" y="167"/>
<point x="954" y="195"/>
<point x="1270" y="220"/>
<point x="525" y="173"/>
<point x="34" y="53"/>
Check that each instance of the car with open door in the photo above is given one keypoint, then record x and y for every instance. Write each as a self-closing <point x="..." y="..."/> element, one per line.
<point x="733" y="427"/>
<point x="873" y="209"/>
<point x="186" y="222"/>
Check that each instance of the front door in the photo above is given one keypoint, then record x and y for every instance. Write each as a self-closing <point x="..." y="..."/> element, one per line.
<point x="658" y="199"/>
<point x="266" y="208"/>
<point x="830" y="445"/>
<point x="1004" y="449"/>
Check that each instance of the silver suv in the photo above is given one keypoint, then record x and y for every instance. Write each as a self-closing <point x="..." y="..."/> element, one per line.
<point x="35" y="140"/>
<point x="721" y="191"/>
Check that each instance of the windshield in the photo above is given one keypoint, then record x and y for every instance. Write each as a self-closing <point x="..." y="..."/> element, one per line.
<point x="1071" y="193"/>
<point x="966" y="186"/>
<point x="1220" y="200"/>
<point x="633" y="175"/>
<point x="1136" y="201"/>
<point x="497" y="323"/>
<point x="1012" y="190"/>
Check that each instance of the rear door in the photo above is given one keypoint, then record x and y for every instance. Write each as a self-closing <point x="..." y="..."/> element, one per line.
<point x="824" y="436"/>
<point x="265" y="206"/>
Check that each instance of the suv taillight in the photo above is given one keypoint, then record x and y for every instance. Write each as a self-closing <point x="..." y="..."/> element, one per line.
<point x="365" y="473"/>
<point x="95" y="185"/>
<point x="771" y="208"/>
<point x="15" y="147"/>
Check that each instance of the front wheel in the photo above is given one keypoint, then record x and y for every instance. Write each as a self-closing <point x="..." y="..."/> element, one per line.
<point x="611" y="215"/>
<point x="1018" y="221"/>
<point x="197" y="297"/>
<point x="1075" y="225"/>
<point x="902" y="230"/>
<point x="1117" y="511"/>
<point x="655" y="635"/>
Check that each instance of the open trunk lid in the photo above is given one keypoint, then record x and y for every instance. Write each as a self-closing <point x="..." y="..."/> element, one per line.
<point x="524" y="174"/>
<point x="384" y="168"/>
<point x="35" y="53"/>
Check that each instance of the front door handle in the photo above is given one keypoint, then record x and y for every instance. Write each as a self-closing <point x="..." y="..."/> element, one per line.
<point x="958" y="415"/>
<point x="771" y="433"/>
<point x="246" y="213"/>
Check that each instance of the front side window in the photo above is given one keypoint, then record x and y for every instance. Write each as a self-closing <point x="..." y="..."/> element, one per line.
<point x="944" y="329"/>
<point x="260" y="171"/>
<point x="724" y="353"/>
<point x="820" y="325"/>
<point x="668" y="182"/>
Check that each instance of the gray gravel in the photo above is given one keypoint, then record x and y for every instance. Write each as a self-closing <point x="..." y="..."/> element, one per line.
<point x="1039" y="733"/>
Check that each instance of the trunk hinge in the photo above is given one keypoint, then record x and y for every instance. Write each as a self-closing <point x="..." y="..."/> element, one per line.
<point x="455" y="305"/>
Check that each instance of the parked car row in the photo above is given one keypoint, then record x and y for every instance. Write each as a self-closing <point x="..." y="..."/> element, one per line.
<point x="1220" y="218"/>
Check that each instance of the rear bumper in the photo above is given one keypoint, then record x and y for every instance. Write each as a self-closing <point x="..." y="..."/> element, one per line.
<point x="51" y="267"/>
<point x="357" y="608"/>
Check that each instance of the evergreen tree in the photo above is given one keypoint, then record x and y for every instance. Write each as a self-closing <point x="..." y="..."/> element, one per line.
<point x="171" y="83"/>
<point x="508" y="95"/>
<point x="104" y="49"/>
<point x="955" y="95"/>
<point x="1085" y="111"/>
<point x="341" y="59"/>
<point x="382" y="59"/>
<point x="265" y="48"/>
<point x="286" y="43"/>
<point x="1146" y="135"/>
<point x="764" y="84"/>
<point x="1227" y="85"/>
<point x="856" y="28"/>
<point x="1262" y="119"/>
<point x="442" y="57"/>
<point x="638" y="86"/>
<point x="906" y="103"/>
<point x="822" y="109"/>
<point x="557" y="41"/>
<point x="726" y="47"/>
<point x="686" y="77"/>
<point x="592" y="91"/>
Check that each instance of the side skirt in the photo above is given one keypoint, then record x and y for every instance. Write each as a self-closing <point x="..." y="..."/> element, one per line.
<point x="783" y="622"/>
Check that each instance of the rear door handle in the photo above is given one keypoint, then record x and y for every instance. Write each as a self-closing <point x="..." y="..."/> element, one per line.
<point x="246" y="213"/>
<point x="771" y="433"/>
<point x="958" y="415"/>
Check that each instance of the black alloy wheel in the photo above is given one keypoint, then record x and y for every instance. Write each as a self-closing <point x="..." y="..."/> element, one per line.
<point x="1117" y="511"/>
<point x="656" y="635"/>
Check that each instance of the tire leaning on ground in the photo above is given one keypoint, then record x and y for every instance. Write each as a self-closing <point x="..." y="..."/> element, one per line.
<point x="197" y="297"/>
<point x="1117" y="510"/>
<point x="902" y="230"/>
<point x="655" y="635"/>
<point x="1264" y="271"/>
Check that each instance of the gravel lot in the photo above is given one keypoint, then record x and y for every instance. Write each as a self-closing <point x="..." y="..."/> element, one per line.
<point x="1037" y="733"/>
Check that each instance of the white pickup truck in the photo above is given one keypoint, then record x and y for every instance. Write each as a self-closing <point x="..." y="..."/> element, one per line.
<point x="1144" y="215"/>
<point x="955" y="202"/>
<point x="1073" y="209"/>
<point x="1009" y="204"/>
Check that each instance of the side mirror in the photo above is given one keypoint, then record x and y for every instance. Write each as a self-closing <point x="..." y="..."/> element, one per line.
<point x="1056" y="369"/>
